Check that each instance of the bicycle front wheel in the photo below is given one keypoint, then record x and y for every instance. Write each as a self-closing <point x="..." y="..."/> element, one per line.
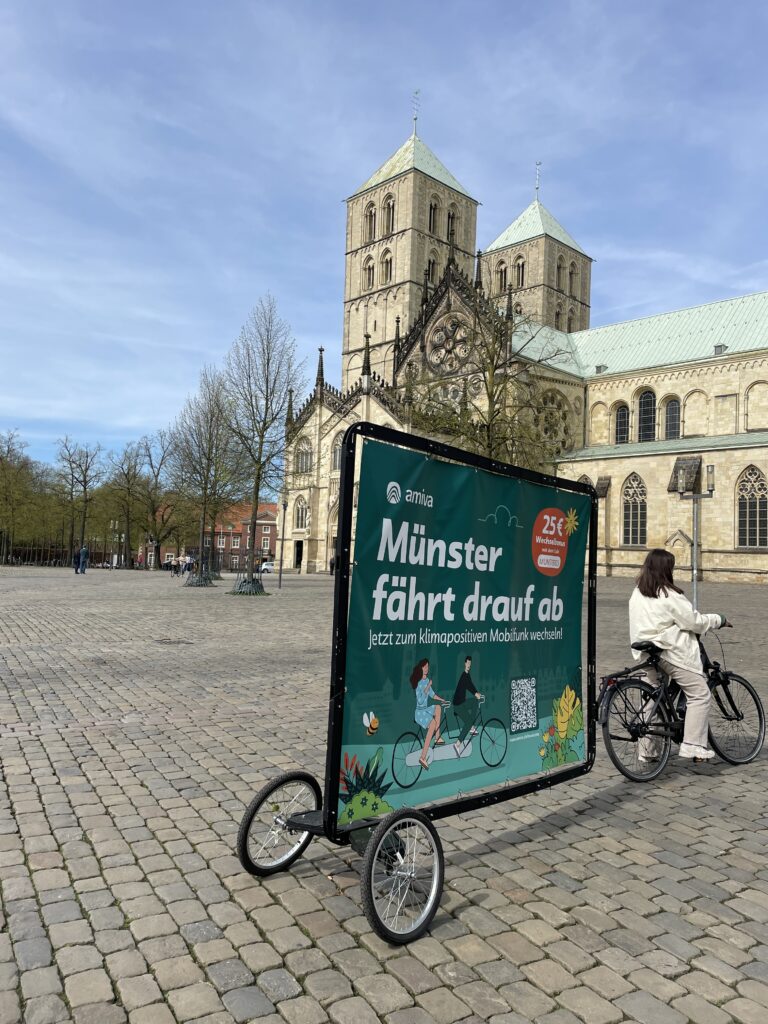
<point x="406" y="768"/>
<point x="637" y="736"/>
<point x="493" y="742"/>
<point x="736" y="720"/>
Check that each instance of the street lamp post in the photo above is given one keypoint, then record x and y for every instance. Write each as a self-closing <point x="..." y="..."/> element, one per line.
<point x="282" y="546"/>
<point x="696" y="514"/>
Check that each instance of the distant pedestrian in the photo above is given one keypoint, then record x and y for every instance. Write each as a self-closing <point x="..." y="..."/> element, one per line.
<point x="83" y="559"/>
<point x="332" y="564"/>
<point x="75" y="560"/>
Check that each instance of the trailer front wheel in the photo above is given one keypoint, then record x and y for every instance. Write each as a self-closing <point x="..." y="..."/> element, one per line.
<point x="402" y="877"/>
<point x="265" y="842"/>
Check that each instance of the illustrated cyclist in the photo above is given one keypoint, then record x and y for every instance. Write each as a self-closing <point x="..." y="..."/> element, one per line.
<point x="660" y="612"/>
<point x="465" y="708"/>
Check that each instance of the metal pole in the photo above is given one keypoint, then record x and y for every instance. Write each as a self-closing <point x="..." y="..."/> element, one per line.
<point x="695" y="560"/>
<point x="282" y="548"/>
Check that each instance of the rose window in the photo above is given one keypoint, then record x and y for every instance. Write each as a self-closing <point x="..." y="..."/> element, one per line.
<point x="449" y="346"/>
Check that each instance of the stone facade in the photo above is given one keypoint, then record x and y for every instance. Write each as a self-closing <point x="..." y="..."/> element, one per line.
<point x="632" y="404"/>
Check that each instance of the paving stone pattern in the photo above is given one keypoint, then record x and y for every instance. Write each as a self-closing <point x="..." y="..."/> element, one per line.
<point x="127" y="759"/>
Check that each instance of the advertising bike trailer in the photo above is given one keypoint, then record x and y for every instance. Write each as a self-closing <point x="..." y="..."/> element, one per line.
<point x="457" y="676"/>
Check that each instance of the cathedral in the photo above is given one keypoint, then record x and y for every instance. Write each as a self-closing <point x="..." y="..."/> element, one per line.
<point x="646" y="410"/>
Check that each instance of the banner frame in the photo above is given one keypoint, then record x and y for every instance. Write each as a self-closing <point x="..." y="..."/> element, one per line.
<point x="370" y="431"/>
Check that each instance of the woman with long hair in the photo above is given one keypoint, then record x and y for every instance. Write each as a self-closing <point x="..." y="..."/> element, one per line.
<point x="426" y="715"/>
<point x="660" y="612"/>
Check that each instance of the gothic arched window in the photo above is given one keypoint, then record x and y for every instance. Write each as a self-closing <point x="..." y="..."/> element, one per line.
<point x="300" y="514"/>
<point x="672" y="419"/>
<point x="501" y="276"/>
<point x="560" y="274"/>
<point x="634" y="501"/>
<point x="450" y="227"/>
<point x="434" y="210"/>
<point x="569" y="328"/>
<point x="622" y="424"/>
<point x="370" y="223"/>
<point x="518" y="309"/>
<point x="572" y="280"/>
<point x="336" y="453"/>
<point x="304" y="457"/>
<point x="558" y="318"/>
<point x="389" y="215"/>
<point x="386" y="267"/>
<point x="432" y="268"/>
<point x="368" y="274"/>
<point x="646" y="417"/>
<point x="752" y="494"/>
<point x="520" y="271"/>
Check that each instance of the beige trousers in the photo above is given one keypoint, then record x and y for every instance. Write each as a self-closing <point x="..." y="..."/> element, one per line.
<point x="697" y="695"/>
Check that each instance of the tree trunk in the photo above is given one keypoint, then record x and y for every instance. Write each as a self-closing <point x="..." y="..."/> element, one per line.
<point x="156" y="559"/>
<point x="252" y="526"/>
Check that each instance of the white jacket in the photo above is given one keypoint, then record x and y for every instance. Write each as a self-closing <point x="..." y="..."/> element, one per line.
<point x="672" y="623"/>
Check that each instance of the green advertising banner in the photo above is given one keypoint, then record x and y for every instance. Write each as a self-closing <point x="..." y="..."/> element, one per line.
<point x="464" y="658"/>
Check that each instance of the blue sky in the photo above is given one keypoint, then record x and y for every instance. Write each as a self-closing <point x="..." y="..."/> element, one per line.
<point x="164" y="165"/>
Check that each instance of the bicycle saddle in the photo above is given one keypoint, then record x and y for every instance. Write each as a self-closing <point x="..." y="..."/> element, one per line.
<point x="646" y="645"/>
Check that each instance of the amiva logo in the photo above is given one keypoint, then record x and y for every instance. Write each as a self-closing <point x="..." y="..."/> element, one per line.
<point x="394" y="494"/>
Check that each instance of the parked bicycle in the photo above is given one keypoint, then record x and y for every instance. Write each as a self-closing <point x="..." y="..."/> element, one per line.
<point x="641" y="721"/>
<point x="491" y="735"/>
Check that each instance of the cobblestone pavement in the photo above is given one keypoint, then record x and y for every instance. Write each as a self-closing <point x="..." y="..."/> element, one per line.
<point x="137" y="718"/>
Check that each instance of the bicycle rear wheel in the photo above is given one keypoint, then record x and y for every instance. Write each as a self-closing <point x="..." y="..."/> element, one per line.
<point x="736" y="720"/>
<point x="637" y="737"/>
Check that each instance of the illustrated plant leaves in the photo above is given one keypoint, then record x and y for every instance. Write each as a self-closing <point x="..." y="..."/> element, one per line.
<point x="576" y="721"/>
<point x="565" y="708"/>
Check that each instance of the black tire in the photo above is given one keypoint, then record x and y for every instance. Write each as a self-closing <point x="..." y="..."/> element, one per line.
<point x="403" y="862"/>
<point x="624" y="728"/>
<point x="286" y="794"/>
<point x="406" y="775"/>
<point x="736" y="720"/>
<point x="493" y="742"/>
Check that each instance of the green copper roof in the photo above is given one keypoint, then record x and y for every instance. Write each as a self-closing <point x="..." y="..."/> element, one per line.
<point x="686" y="335"/>
<point x="533" y="222"/>
<point x="718" y="442"/>
<point x="413" y="155"/>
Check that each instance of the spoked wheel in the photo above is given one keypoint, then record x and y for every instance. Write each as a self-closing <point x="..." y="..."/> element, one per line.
<point x="265" y="844"/>
<point x="636" y="737"/>
<point x="405" y="760"/>
<point x="402" y="877"/>
<point x="736" y="720"/>
<point x="493" y="742"/>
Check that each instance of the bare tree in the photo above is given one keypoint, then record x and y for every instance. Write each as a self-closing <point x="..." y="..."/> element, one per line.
<point x="260" y="369"/>
<point x="208" y="463"/>
<point x="81" y="471"/>
<point x="161" y="501"/>
<point x="126" y="480"/>
<point x="16" y="474"/>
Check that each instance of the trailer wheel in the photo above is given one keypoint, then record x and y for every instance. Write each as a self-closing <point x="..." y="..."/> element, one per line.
<point x="402" y="877"/>
<point x="265" y="844"/>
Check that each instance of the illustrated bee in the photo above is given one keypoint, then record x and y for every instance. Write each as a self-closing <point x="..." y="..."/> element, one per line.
<point x="371" y="723"/>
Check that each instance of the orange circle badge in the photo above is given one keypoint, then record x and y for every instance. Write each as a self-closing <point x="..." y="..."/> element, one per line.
<point x="549" y="544"/>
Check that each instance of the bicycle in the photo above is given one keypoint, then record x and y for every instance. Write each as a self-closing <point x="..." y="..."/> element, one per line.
<point x="406" y="753"/>
<point x="640" y="721"/>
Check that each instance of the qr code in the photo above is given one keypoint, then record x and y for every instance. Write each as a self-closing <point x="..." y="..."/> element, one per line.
<point x="522" y="705"/>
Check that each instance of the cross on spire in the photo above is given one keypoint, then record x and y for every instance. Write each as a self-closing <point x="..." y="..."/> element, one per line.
<point x="538" y="178"/>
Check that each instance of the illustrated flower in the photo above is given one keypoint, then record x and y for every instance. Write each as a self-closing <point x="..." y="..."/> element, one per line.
<point x="542" y="751"/>
<point x="551" y="730"/>
<point x="571" y="522"/>
<point x="565" y="708"/>
<point x="557" y="746"/>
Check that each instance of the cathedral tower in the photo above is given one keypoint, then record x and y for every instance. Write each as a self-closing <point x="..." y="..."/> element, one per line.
<point x="549" y="272"/>
<point x="400" y="226"/>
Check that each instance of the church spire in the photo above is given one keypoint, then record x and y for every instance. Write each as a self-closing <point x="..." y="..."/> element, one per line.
<point x="478" y="272"/>
<point x="509" y="315"/>
<point x="320" y="379"/>
<point x="367" y="356"/>
<point x="289" y="411"/>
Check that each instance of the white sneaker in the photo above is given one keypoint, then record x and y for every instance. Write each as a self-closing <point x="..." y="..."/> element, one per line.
<point x="647" y="759"/>
<point x="691" y="751"/>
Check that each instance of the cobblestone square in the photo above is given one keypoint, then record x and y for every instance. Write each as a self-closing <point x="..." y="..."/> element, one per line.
<point x="138" y="717"/>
